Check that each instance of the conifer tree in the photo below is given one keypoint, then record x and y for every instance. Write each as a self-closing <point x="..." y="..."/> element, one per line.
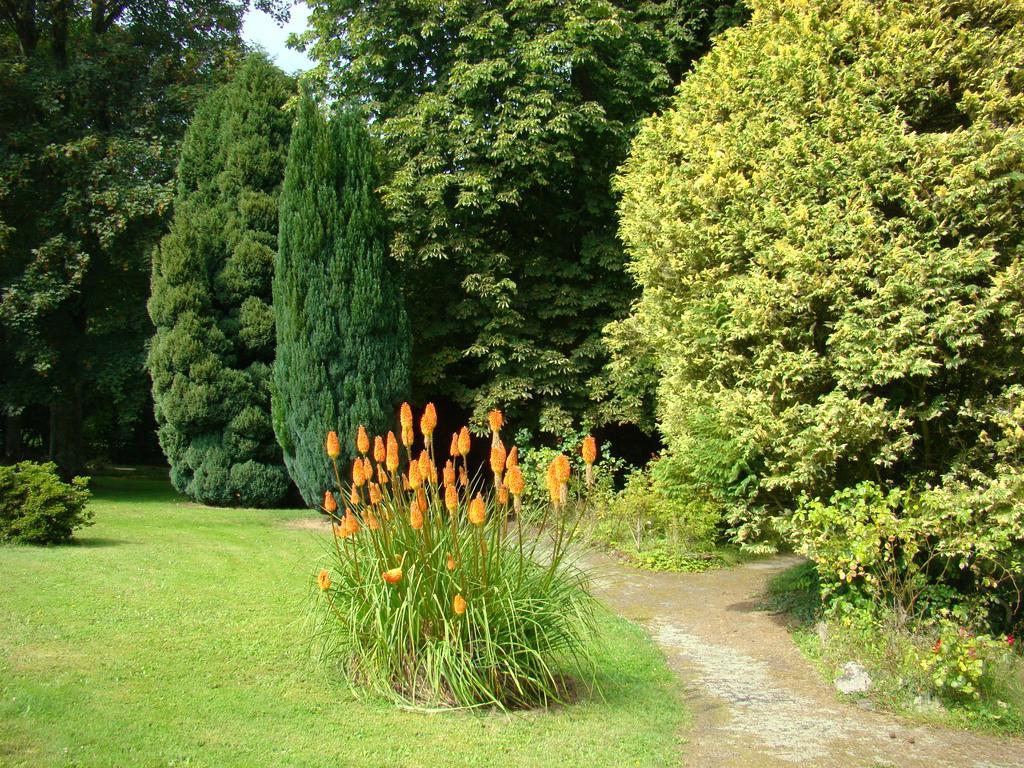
<point x="826" y="226"/>
<point x="211" y="357"/>
<point x="342" y="331"/>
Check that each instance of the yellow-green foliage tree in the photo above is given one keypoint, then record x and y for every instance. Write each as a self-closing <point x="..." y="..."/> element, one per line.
<point x="826" y="226"/>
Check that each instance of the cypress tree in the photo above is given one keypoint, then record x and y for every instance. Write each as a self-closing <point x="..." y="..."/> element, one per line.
<point x="212" y="355"/>
<point x="342" y="331"/>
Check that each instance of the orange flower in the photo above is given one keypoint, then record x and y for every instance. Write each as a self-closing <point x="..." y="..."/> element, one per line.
<point x="424" y="462"/>
<point x="415" y="516"/>
<point x="339" y="530"/>
<point x="358" y="478"/>
<point x="477" y="510"/>
<point x="562" y="468"/>
<point x="451" y="498"/>
<point x="496" y="420"/>
<point x="371" y="520"/>
<point x="405" y="416"/>
<point x="392" y="576"/>
<point x="330" y="505"/>
<point x="513" y="458"/>
<point x="379" y="453"/>
<point x="375" y="494"/>
<point x="353" y="497"/>
<point x="454" y="450"/>
<point x="498" y="459"/>
<point x="428" y="421"/>
<point x="514" y="480"/>
<point x="382" y="476"/>
<point x="392" y="453"/>
<point x="451" y="562"/>
<point x="333" y="445"/>
<point x="449" y="473"/>
<point x="350" y="525"/>
<point x="463" y="477"/>
<point x="464" y="442"/>
<point x="554" y="487"/>
<point x="421" y="500"/>
<point x="415" y="479"/>
<point x="324" y="579"/>
<point x="503" y="496"/>
<point x="589" y="451"/>
<point x="362" y="440"/>
<point x="459" y="605"/>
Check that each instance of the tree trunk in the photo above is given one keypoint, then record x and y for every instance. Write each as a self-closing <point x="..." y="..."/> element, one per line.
<point x="23" y="18"/>
<point x="66" y="432"/>
<point x="12" y="438"/>
<point x="98" y="13"/>
<point x="59" y="33"/>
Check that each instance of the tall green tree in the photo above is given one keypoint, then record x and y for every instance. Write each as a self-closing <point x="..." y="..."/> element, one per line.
<point x="827" y="229"/>
<point x="342" y="331"/>
<point x="211" y="357"/>
<point x="500" y="125"/>
<point x="96" y="96"/>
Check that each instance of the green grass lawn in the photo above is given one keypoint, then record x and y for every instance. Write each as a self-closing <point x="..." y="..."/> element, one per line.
<point x="172" y="634"/>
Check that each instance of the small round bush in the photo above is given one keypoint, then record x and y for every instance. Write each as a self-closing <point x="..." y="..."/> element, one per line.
<point x="37" y="507"/>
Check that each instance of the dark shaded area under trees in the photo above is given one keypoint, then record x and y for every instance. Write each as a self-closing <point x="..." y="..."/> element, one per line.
<point x="96" y="97"/>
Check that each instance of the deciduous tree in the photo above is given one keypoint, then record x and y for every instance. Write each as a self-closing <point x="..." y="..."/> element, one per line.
<point x="96" y="96"/>
<point x="500" y="127"/>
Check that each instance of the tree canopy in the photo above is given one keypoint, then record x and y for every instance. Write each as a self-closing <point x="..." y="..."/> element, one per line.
<point x="500" y="126"/>
<point x="96" y="98"/>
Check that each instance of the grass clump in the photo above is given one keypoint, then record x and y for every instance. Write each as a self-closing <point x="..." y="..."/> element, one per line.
<point x="434" y="592"/>
<point x="797" y="592"/>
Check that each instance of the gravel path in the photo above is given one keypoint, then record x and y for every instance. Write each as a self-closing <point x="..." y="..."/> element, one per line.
<point x="756" y="700"/>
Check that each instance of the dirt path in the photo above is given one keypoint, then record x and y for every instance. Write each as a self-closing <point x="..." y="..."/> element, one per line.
<point x="756" y="701"/>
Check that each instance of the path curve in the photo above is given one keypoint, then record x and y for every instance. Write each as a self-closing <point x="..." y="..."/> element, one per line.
<point x="757" y="702"/>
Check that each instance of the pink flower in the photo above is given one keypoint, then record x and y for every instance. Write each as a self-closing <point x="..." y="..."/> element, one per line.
<point x="1010" y="640"/>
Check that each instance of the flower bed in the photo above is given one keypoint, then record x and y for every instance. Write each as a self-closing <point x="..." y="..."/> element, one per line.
<point x="435" y="593"/>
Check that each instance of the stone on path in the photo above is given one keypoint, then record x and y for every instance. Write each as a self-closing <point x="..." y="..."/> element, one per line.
<point x="855" y="679"/>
